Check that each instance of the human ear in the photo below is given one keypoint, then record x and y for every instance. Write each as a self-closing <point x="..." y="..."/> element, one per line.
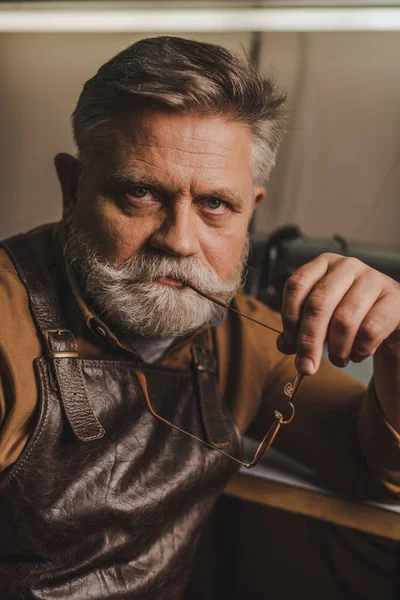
<point x="259" y="193"/>
<point x="67" y="168"/>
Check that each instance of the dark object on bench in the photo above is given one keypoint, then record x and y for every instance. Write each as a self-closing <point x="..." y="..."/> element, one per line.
<point x="273" y="258"/>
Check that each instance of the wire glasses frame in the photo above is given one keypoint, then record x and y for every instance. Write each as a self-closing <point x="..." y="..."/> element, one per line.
<point x="289" y="389"/>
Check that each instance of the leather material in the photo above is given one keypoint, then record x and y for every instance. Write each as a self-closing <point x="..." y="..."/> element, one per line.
<point x="217" y="430"/>
<point x="49" y="319"/>
<point x="71" y="387"/>
<point x="118" y="517"/>
<point x="46" y="309"/>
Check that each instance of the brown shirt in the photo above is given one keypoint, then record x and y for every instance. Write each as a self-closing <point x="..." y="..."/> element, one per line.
<point x="339" y="429"/>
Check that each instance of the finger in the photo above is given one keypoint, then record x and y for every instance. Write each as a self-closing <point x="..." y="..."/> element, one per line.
<point x="379" y="324"/>
<point x="349" y="314"/>
<point x="284" y="346"/>
<point x="317" y="313"/>
<point x="295" y="292"/>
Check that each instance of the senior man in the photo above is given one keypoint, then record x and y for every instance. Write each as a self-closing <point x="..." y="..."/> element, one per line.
<point x="110" y="334"/>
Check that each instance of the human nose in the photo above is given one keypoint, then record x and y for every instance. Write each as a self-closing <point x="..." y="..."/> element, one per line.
<point x="177" y="234"/>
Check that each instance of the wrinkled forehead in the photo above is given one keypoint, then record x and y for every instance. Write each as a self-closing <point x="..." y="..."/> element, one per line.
<point x="185" y="146"/>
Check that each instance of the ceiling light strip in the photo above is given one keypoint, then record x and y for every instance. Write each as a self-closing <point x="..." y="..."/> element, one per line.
<point x="288" y="19"/>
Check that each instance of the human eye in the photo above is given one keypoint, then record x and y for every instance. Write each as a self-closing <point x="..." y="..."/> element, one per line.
<point x="140" y="194"/>
<point x="215" y="206"/>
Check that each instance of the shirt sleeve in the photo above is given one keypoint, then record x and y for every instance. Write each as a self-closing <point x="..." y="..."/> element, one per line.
<point x="19" y="346"/>
<point x="339" y="431"/>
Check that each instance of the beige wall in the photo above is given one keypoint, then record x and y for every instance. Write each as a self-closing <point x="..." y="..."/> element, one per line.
<point x="339" y="167"/>
<point x="337" y="160"/>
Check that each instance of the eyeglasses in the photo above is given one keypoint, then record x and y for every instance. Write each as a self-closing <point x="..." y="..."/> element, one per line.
<point x="290" y="390"/>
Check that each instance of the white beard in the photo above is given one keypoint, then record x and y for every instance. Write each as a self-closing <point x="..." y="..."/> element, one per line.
<point x="129" y="296"/>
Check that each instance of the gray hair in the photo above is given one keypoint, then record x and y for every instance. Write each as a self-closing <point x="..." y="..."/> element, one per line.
<point x="185" y="76"/>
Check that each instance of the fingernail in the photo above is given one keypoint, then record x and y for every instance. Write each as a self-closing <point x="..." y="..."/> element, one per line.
<point x="338" y="362"/>
<point x="305" y="365"/>
<point x="284" y="346"/>
<point x="280" y="342"/>
<point x="290" y="337"/>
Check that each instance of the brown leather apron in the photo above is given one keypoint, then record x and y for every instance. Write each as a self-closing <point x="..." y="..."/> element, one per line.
<point x="105" y="501"/>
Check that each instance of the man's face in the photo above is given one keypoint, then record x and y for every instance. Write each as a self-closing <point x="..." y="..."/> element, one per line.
<point x="177" y="190"/>
<point x="181" y="185"/>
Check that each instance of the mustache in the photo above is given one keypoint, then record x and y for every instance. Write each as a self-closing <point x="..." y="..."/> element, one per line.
<point x="150" y="265"/>
<point x="128" y="295"/>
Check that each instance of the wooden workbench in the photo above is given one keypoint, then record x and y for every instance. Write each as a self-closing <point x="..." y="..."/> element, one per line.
<point x="282" y="483"/>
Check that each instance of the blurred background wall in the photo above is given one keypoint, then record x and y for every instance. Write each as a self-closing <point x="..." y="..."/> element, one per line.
<point x="338" y="170"/>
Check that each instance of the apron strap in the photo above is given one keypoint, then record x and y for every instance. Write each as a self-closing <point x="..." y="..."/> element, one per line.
<point x="216" y="420"/>
<point x="60" y="343"/>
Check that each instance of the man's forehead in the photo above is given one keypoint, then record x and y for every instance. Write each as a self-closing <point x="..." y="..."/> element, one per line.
<point x="190" y="140"/>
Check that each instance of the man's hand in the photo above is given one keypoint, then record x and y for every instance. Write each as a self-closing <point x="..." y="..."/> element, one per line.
<point x="355" y="308"/>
